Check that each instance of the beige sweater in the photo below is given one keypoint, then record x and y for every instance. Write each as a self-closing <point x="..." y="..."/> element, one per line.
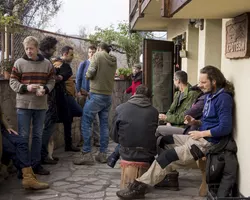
<point x="27" y="72"/>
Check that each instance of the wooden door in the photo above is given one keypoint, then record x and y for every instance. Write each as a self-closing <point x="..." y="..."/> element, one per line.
<point x="158" y="69"/>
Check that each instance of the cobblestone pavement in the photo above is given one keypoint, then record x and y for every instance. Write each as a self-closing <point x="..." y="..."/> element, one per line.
<point x="98" y="182"/>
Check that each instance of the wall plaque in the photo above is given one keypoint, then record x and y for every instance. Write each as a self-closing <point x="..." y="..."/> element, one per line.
<point x="237" y="37"/>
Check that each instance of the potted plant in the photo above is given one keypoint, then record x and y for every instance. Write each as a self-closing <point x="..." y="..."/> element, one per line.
<point x="7" y="65"/>
<point x="124" y="73"/>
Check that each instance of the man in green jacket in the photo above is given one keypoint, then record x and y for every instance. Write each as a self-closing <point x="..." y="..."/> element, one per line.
<point x="183" y="100"/>
<point x="101" y="74"/>
<point x="174" y="119"/>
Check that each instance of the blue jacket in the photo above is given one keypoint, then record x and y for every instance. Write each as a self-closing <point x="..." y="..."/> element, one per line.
<point x="217" y="115"/>
<point x="81" y="81"/>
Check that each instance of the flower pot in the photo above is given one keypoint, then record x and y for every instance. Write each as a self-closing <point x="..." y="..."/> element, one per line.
<point x="122" y="77"/>
<point x="6" y="75"/>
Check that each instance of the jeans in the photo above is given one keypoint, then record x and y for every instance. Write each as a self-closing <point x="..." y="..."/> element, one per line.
<point x="75" y="110"/>
<point x="96" y="130"/>
<point x="97" y="104"/>
<point x="16" y="148"/>
<point x="24" y="118"/>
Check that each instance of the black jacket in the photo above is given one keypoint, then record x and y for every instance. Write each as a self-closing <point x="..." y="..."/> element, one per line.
<point x="51" y="114"/>
<point x="134" y="127"/>
<point x="221" y="167"/>
<point x="65" y="71"/>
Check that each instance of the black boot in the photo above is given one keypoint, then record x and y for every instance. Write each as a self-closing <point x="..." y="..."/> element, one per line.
<point x="112" y="159"/>
<point x="40" y="170"/>
<point x="170" y="182"/>
<point x="72" y="148"/>
<point x="135" y="190"/>
<point x="48" y="161"/>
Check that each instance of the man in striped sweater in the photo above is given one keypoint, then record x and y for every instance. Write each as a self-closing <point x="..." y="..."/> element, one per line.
<point x="32" y="78"/>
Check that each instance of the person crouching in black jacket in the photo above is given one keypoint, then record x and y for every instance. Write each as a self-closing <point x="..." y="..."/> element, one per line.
<point x="134" y="127"/>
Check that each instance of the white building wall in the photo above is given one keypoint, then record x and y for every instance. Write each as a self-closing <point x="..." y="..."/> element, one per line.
<point x="238" y="71"/>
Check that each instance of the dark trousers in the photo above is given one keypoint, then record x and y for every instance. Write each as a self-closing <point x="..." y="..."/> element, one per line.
<point x="75" y="110"/>
<point x="15" y="147"/>
<point x="48" y="130"/>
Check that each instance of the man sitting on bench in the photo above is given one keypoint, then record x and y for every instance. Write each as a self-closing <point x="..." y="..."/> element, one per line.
<point x="134" y="127"/>
<point x="216" y="122"/>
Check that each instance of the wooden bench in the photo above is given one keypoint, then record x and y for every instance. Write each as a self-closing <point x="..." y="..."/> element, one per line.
<point x="203" y="187"/>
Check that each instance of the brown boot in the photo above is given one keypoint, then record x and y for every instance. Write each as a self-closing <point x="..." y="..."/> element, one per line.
<point x="203" y="187"/>
<point x="170" y="182"/>
<point x="30" y="182"/>
<point x="135" y="190"/>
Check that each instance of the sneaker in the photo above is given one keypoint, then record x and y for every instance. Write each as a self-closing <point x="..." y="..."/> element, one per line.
<point x="40" y="170"/>
<point x="48" y="161"/>
<point x="101" y="157"/>
<point x="85" y="158"/>
<point x="72" y="148"/>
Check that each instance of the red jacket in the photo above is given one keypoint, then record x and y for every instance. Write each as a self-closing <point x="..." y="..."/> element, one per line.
<point x="137" y="80"/>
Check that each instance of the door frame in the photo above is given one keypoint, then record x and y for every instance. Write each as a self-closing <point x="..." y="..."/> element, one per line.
<point x="149" y="46"/>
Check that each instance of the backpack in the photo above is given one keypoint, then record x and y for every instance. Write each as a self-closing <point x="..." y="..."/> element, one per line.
<point x="221" y="168"/>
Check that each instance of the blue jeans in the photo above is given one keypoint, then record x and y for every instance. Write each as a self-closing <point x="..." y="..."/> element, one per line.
<point x="16" y="148"/>
<point x="97" y="104"/>
<point x="24" y="118"/>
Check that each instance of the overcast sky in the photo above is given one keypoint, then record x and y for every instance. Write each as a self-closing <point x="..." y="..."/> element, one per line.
<point x="89" y="13"/>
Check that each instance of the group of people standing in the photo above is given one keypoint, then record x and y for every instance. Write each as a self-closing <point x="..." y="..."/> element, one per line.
<point x="199" y="117"/>
<point x="46" y="95"/>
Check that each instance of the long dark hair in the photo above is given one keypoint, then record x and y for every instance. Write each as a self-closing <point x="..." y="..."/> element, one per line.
<point x="213" y="73"/>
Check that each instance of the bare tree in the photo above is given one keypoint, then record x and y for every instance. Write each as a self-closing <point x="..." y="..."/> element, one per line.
<point x="35" y="13"/>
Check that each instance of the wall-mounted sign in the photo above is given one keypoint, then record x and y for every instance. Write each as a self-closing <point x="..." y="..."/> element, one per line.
<point x="237" y="37"/>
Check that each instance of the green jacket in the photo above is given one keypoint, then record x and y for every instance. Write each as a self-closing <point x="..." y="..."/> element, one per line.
<point x="101" y="73"/>
<point x="175" y="114"/>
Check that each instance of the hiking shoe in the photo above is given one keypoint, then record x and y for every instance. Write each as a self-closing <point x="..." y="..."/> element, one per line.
<point x="170" y="182"/>
<point x="135" y="190"/>
<point x="85" y="158"/>
<point x="101" y="157"/>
